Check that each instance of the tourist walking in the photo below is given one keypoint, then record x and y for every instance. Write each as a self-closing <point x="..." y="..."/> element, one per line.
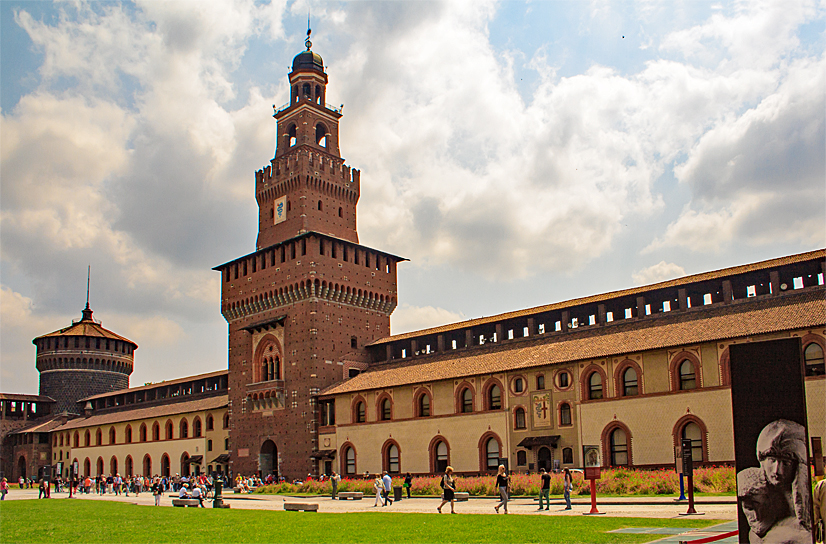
<point x="448" y="485"/>
<point x="378" y="486"/>
<point x="387" y="481"/>
<point x="567" y="486"/>
<point x="408" y="483"/>
<point x="4" y="489"/>
<point x="503" y="483"/>
<point x="545" y="489"/>
<point x="157" y="489"/>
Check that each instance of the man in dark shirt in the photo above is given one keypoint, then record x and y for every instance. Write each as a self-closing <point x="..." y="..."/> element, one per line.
<point x="545" y="489"/>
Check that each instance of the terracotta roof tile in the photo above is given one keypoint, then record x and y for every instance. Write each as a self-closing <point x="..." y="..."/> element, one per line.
<point x="25" y="397"/>
<point x="737" y="320"/>
<point x="42" y="426"/>
<point x="136" y="411"/>
<point x="158" y="384"/>
<point x="705" y="276"/>
<point x="86" y="328"/>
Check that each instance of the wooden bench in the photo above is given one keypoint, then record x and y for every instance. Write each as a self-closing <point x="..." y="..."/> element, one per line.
<point x="459" y="496"/>
<point x="301" y="506"/>
<point x="185" y="502"/>
<point x="355" y="495"/>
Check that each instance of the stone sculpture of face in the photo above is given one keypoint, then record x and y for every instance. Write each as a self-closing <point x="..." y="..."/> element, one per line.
<point x="779" y="471"/>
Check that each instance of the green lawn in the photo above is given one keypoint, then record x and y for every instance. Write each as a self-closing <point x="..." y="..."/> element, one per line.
<point x="88" y="522"/>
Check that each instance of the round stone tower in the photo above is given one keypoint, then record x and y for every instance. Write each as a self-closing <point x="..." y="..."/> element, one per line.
<point x="82" y="360"/>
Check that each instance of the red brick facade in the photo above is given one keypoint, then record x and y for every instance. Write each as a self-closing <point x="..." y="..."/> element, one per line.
<point x="302" y="307"/>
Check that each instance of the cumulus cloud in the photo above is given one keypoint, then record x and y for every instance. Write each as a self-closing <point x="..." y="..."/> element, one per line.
<point x="658" y="272"/>
<point x="408" y="318"/>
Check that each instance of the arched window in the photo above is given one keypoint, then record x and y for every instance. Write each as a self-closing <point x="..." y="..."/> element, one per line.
<point x="307" y="91"/>
<point x="424" y="405"/>
<point x="492" y="454"/>
<point x="494" y="398"/>
<point x="518" y="385"/>
<point x="112" y="435"/>
<point x="595" y="386"/>
<point x="184" y="429"/>
<point x="441" y="457"/>
<point x="196" y="428"/>
<point x="519" y="418"/>
<point x="156" y="431"/>
<point x="142" y="432"/>
<point x="291" y="136"/>
<point x="563" y="379"/>
<point x="169" y="430"/>
<point x="98" y="438"/>
<point x="564" y="414"/>
<point x="226" y="420"/>
<point x="386" y="410"/>
<point x="391" y="459"/>
<point x="210" y="423"/>
<point x="61" y="440"/>
<point x="813" y="355"/>
<point x="629" y="383"/>
<point x="321" y="135"/>
<point x="521" y="458"/>
<point x="688" y="380"/>
<point x="540" y="382"/>
<point x="76" y="441"/>
<point x="567" y="456"/>
<point x="350" y="461"/>
<point x="128" y="434"/>
<point x="361" y="412"/>
<point x="467" y="400"/>
<point x="692" y="431"/>
<point x="619" y="448"/>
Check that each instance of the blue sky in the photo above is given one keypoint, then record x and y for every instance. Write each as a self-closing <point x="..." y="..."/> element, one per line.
<point x="519" y="153"/>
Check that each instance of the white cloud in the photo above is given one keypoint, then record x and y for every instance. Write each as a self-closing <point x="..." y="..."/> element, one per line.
<point x="658" y="272"/>
<point x="408" y="318"/>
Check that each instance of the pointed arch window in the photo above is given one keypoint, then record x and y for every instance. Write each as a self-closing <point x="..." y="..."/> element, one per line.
<point x="495" y="398"/>
<point x="630" y="386"/>
<point x="688" y="379"/>
<point x="813" y="355"/>
<point x="619" y="448"/>
<point x="467" y="400"/>
<point x="595" y="386"/>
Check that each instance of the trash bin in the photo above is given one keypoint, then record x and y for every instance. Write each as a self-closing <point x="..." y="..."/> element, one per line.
<point x="397" y="492"/>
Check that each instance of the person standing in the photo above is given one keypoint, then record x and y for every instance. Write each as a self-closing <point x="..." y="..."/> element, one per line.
<point x="335" y="479"/>
<point x="545" y="489"/>
<point x="4" y="489"/>
<point x="448" y="485"/>
<point x="157" y="489"/>
<point x="567" y="486"/>
<point x="42" y="489"/>
<point x="387" y="482"/>
<point x="408" y="483"/>
<point x="503" y="483"/>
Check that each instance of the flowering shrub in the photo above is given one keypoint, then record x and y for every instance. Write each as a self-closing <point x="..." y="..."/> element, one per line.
<point x="614" y="481"/>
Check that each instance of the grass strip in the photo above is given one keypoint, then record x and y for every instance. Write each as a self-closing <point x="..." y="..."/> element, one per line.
<point x="90" y="522"/>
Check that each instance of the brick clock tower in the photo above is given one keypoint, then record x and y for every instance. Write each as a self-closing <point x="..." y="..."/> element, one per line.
<point x="302" y="307"/>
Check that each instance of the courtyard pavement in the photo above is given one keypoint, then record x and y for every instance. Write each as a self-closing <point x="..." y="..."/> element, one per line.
<point x="723" y="508"/>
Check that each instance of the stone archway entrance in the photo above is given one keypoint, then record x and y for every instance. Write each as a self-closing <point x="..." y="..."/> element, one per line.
<point x="266" y="459"/>
<point x="544" y="459"/>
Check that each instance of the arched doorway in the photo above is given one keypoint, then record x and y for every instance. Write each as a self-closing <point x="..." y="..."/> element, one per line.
<point x="21" y="467"/>
<point x="544" y="459"/>
<point x="87" y="467"/>
<point x="165" y="465"/>
<point x="100" y="466"/>
<point x="266" y="459"/>
<point x="185" y="464"/>
<point x="147" y="465"/>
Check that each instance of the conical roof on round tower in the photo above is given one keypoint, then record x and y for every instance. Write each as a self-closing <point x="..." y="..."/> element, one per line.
<point x="86" y="326"/>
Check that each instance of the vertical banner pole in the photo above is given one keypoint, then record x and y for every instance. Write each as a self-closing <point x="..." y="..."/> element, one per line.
<point x="691" y="509"/>
<point x="594" y="497"/>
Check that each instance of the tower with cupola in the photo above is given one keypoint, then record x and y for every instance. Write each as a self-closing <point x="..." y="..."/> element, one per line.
<point x="302" y="307"/>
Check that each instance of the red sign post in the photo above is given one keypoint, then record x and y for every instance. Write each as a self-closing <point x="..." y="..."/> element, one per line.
<point x="590" y="455"/>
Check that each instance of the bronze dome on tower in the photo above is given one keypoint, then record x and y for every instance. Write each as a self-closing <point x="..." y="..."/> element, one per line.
<point x="307" y="60"/>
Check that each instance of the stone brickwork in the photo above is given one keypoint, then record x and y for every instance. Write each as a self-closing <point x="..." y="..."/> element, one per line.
<point x="68" y="386"/>
<point x="320" y="294"/>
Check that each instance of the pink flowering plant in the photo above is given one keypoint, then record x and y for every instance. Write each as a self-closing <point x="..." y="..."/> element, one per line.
<point x="613" y="481"/>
